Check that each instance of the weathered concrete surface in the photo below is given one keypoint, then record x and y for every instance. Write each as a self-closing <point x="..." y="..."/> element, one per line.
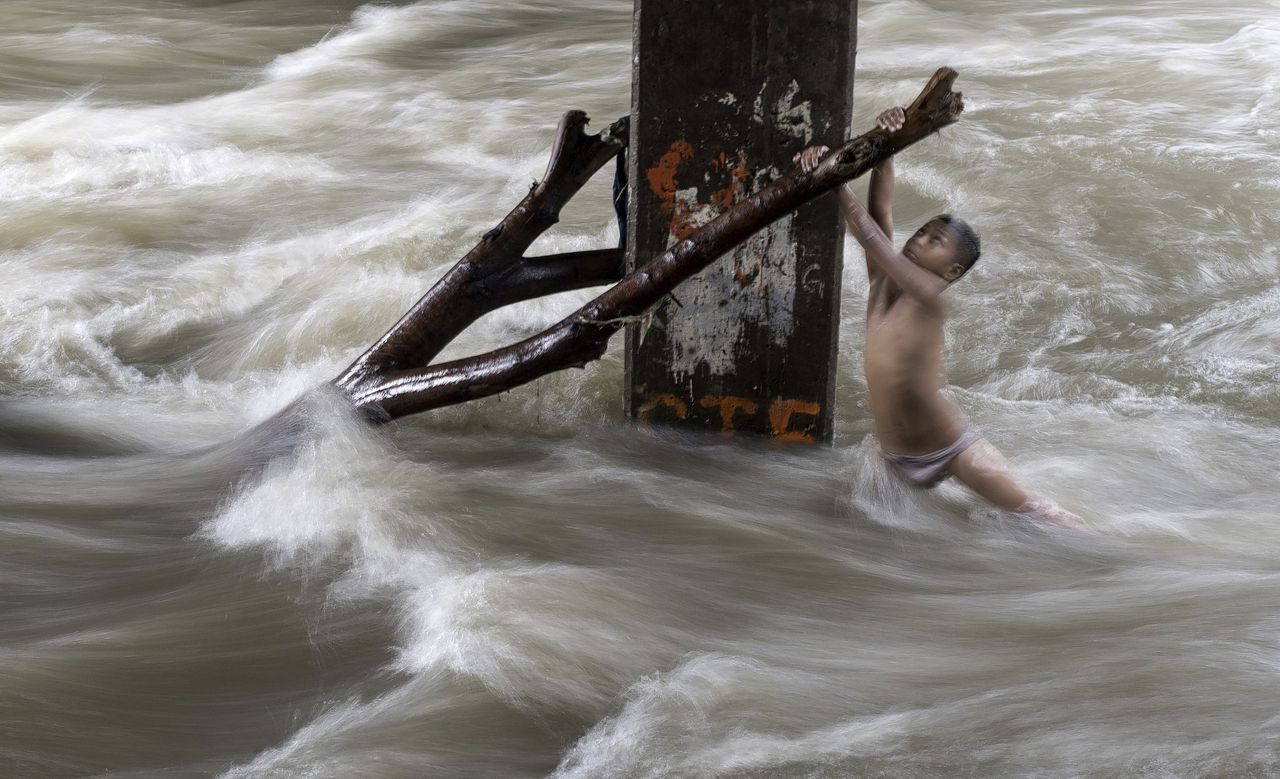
<point x="724" y="93"/>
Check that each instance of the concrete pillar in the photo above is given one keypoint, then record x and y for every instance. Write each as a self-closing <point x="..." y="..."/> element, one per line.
<point x="724" y="93"/>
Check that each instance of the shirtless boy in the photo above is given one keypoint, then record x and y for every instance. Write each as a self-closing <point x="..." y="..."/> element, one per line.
<point x="924" y="437"/>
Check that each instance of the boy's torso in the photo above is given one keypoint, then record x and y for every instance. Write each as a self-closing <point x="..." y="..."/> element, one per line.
<point x="904" y="371"/>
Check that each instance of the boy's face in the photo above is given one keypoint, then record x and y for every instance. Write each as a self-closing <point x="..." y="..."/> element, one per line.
<point x="933" y="247"/>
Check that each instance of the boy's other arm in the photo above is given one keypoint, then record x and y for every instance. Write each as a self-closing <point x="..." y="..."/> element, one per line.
<point x="880" y="192"/>
<point x="880" y="196"/>
<point x="848" y="205"/>
<point x="925" y="287"/>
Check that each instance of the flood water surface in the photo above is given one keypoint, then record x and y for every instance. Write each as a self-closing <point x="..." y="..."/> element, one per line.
<point x="207" y="209"/>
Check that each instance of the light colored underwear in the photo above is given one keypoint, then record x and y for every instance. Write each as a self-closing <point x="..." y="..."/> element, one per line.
<point x="928" y="470"/>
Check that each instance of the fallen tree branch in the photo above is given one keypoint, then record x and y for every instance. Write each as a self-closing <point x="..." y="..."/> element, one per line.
<point x="400" y="381"/>
<point x="463" y="294"/>
<point x="536" y="277"/>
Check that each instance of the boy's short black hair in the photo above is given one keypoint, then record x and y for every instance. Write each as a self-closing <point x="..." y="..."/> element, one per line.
<point x="968" y="246"/>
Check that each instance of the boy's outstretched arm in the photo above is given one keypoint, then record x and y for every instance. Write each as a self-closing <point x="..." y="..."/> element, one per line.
<point x="925" y="287"/>
<point x="917" y="282"/>
<point x="879" y="205"/>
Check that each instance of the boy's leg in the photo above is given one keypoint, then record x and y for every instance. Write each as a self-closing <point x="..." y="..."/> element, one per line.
<point x="983" y="469"/>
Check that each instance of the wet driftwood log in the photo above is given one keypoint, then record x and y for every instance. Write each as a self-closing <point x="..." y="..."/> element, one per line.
<point x="395" y="377"/>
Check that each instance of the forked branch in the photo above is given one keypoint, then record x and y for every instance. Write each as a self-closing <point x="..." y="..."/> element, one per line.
<point x="395" y="379"/>
<point x="475" y="285"/>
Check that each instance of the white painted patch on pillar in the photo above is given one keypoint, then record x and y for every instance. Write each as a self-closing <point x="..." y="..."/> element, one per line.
<point x="795" y="119"/>
<point x="755" y="284"/>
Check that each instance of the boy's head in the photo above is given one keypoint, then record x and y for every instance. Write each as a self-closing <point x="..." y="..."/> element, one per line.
<point x="945" y="245"/>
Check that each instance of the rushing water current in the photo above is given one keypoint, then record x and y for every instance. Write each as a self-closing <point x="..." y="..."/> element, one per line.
<point x="207" y="208"/>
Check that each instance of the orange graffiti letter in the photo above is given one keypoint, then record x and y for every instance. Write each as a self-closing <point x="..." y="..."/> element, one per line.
<point x="729" y="405"/>
<point x="780" y="412"/>
<point x="663" y="399"/>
